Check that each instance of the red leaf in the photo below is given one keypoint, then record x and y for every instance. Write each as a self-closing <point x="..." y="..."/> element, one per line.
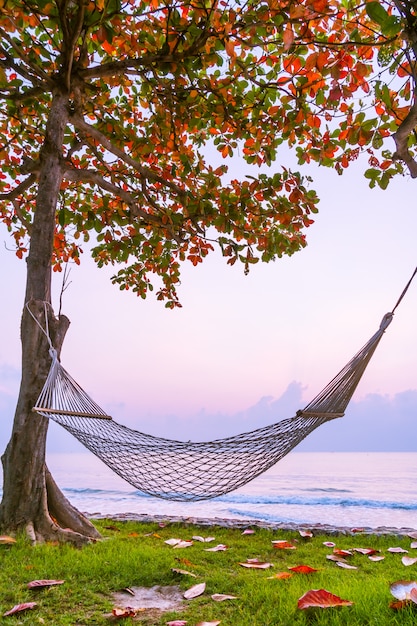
<point x="18" y="608"/>
<point x="126" y="612"/>
<point x="303" y="569"/>
<point x="322" y="599"/>
<point x="283" y="545"/>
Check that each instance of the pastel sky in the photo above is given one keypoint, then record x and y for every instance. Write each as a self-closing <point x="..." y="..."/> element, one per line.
<point x="244" y="351"/>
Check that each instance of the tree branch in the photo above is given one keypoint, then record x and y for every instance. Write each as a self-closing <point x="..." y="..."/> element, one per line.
<point x="400" y="137"/>
<point x="14" y="193"/>
<point x="144" y="172"/>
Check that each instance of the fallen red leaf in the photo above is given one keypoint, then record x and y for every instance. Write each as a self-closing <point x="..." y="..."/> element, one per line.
<point x="283" y="545"/>
<point x="303" y="569"/>
<point x="18" y="608"/>
<point x="342" y="553"/>
<point x="322" y="599"/>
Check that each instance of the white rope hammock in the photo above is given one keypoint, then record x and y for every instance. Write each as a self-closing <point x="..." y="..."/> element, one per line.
<point x="190" y="471"/>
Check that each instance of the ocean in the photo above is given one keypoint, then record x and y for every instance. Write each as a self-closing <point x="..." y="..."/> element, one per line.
<point x="348" y="489"/>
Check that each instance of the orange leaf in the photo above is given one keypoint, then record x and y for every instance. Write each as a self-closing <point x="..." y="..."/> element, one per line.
<point x="303" y="569"/>
<point x="288" y="37"/>
<point x="283" y="545"/>
<point x="322" y="599"/>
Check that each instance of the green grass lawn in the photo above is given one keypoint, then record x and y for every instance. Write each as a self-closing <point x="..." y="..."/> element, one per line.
<point x="135" y="555"/>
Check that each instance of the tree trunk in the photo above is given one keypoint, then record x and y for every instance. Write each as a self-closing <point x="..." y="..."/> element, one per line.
<point x="31" y="498"/>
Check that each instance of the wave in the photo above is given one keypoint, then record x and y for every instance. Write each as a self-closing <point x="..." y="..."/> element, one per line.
<point x="256" y="500"/>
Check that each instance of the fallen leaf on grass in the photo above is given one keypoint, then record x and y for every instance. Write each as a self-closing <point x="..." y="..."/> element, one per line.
<point x="6" y="540"/>
<point x="413" y="534"/>
<point x="219" y="548"/>
<point x="281" y="544"/>
<point x="334" y="557"/>
<point x="41" y="584"/>
<point x="184" y="572"/>
<point x="329" y="544"/>
<point x="177" y="622"/>
<point x="220" y="597"/>
<point x="376" y="557"/>
<point x="345" y="565"/>
<point x="195" y="591"/>
<point x="183" y="544"/>
<point x="248" y="531"/>
<point x="172" y="542"/>
<point x="413" y="544"/>
<point x="281" y="575"/>
<point x="342" y="553"/>
<point x="19" y="608"/>
<point x="208" y="623"/>
<point x="303" y="569"/>
<point x="255" y="564"/>
<point x="396" y="550"/>
<point x="404" y="589"/>
<point x="203" y="539"/>
<point x="365" y="551"/>
<point x="322" y="599"/>
<point x="407" y="560"/>
<point x="305" y="533"/>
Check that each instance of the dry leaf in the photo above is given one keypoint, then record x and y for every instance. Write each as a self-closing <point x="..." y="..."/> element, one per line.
<point x="195" y="591"/>
<point x="177" y="622"/>
<point x="365" y="551"/>
<point x="345" y="565"/>
<point x="203" y="539"/>
<point x="413" y="534"/>
<point x="40" y="584"/>
<point x="183" y="572"/>
<point x="219" y="548"/>
<point x="127" y="611"/>
<point x="248" y="531"/>
<point x="376" y="557"/>
<point x="335" y="558"/>
<point x="6" y="540"/>
<point x="303" y="569"/>
<point x="322" y="599"/>
<point x="183" y="544"/>
<point x="220" y="597"/>
<point x="397" y="550"/>
<point x="283" y="545"/>
<point x="413" y="544"/>
<point x="407" y="561"/>
<point x="399" y="604"/>
<point x="172" y="542"/>
<point x="305" y="533"/>
<point x="208" y="623"/>
<point x="19" y="608"/>
<point x="329" y="544"/>
<point x="401" y="589"/>
<point x="281" y="576"/>
<point x="255" y="564"/>
<point x="342" y="553"/>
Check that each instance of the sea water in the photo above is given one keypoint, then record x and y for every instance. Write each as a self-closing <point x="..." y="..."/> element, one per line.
<point x="353" y="489"/>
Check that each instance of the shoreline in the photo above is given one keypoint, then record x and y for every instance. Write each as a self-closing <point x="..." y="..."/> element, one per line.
<point x="317" y="529"/>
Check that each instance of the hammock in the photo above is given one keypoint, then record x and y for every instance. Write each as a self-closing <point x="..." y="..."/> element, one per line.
<point x="192" y="471"/>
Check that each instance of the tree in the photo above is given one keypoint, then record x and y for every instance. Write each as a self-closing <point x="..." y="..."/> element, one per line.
<point x="112" y="116"/>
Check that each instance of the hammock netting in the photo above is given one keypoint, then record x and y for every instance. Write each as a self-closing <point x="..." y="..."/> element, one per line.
<point x="191" y="471"/>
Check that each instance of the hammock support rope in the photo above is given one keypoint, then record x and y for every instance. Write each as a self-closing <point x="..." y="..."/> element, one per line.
<point x="192" y="471"/>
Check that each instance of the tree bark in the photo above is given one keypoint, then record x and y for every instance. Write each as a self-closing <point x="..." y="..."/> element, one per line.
<point x="28" y="488"/>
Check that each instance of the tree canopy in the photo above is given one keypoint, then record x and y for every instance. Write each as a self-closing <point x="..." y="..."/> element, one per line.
<point x="159" y="96"/>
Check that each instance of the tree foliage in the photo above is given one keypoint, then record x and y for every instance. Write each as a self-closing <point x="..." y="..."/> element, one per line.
<point x="160" y="95"/>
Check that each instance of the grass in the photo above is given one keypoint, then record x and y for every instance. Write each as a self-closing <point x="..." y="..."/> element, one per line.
<point x="135" y="554"/>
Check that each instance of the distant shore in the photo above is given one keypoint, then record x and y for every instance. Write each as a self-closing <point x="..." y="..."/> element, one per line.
<point x="317" y="529"/>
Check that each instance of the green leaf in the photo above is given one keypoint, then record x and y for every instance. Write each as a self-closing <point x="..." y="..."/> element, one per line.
<point x="376" y="12"/>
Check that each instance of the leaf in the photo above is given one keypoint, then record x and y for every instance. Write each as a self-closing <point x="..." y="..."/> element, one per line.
<point x="283" y="545"/>
<point x="376" y="12"/>
<point x="19" y="608"/>
<point x="401" y="589"/>
<point x="329" y="544"/>
<point x="195" y="591"/>
<point x="305" y="533"/>
<point x="172" y="542"/>
<point x="322" y="599"/>
<point x="127" y="611"/>
<point x="255" y="564"/>
<point x="376" y="557"/>
<point x="248" y="531"/>
<point x="280" y="576"/>
<point x="216" y="623"/>
<point x="342" y="553"/>
<point x="408" y="560"/>
<point x="219" y="548"/>
<point x="177" y="622"/>
<point x="397" y="550"/>
<point x="365" y="551"/>
<point x="203" y="539"/>
<point x="40" y="584"/>
<point x="303" y="569"/>
<point x="183" y="544"/>
<point x="413" y="544"/>
<point x="6" y="540"/>
<point x="221" y="597"/>
<point x="345" y="565"/>
<point x="182" y="572"/>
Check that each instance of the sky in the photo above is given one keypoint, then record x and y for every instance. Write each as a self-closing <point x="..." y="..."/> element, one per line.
<point x="246" y="351"/>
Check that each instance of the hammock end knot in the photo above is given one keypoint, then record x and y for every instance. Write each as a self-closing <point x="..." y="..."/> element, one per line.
<point x="386" y="321"/>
